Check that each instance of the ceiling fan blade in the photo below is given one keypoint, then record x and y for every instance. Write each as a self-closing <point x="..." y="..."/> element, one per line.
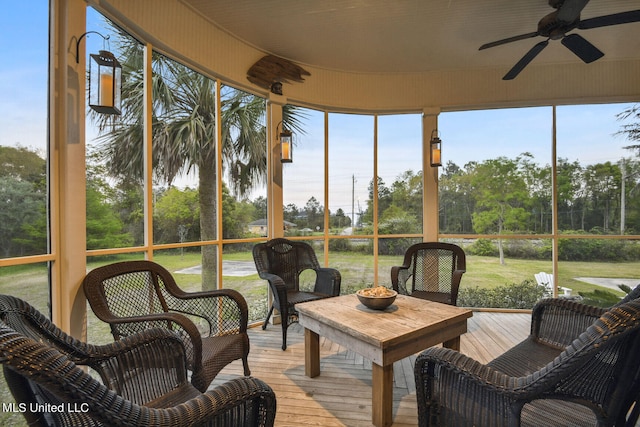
<point x="528" y="57"/>
<point x="615" y="19"/>
<point x="509" y="40"/>
<point x="582" y="48"/>
<point x="570" y="10"/>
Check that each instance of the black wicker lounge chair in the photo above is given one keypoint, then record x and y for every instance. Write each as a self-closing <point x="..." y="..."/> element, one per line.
<point x="133" y="296"/>
<point x="430" y="270"/>
<point x="140" y="380"/>
<point x="580" y="366"/>
<point x="281" y="261"/>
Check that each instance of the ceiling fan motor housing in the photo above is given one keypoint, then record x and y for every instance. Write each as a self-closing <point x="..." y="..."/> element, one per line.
<point x="551" y="27"/>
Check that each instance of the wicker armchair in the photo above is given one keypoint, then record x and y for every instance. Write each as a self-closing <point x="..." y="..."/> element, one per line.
<point x="434" y="270"/>
<point x="136" y="295"/>
<point x="145" y="376"/>
<point x="579" y="366"/>
<point x="280" y="261"/>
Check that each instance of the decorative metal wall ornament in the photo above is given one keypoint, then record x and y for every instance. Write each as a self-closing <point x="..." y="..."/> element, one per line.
<point x="270" y="72"/>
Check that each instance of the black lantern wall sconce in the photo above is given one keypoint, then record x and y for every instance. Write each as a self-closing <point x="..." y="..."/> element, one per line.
<point x="286" y="144"/>
<point x="105" y="79"/>
<point x="436" y="149"/>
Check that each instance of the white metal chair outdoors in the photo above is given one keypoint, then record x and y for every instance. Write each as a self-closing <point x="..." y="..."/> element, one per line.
<point x="546" y="280"/>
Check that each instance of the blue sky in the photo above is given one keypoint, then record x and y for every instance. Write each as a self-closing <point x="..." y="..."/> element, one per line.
<point x="585" y="133"/>
<point x="23" y="73"/>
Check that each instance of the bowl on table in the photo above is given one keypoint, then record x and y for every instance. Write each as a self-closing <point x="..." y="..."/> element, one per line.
<point x="377" y="298"/>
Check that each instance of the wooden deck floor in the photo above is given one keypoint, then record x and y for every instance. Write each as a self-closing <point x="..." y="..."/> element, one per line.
<point x="341" y="395"/>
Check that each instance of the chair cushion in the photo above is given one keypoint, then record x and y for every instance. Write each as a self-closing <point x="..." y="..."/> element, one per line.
<point x="525" y="358"/>
<point x="298" y="297"/>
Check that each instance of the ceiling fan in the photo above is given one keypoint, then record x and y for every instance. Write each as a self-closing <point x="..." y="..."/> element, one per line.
<point x="557" y="24"/>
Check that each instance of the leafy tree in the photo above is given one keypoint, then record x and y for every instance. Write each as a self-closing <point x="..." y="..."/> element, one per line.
<point x="23" y="221"/>
<point x="406" y="193"/>
<point x="456" y="200"/>
<point x="291" y="213"/>
<point x="314" y="213"/>
<point x="23" y="164"/>
<point x="129" y="202"/>
<point x="235" y="215"/>
<point x="569" y="182"/>
<point x="629" y="169"/>
<point x="176" y="215"/>
<point x="602" y="183"/>
<point x="501" y="197"/>
<point x="104" y="227"/>
<point x="631" y="130"/>
<point x="22" y="217"/>
<point x="538" y="181"/>
<point x="260" y="208"/>
<point x="339" y="220"/>
<point x="384" y="201"/>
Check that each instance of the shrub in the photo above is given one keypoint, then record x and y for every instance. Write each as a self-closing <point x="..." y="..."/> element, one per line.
<point x="339" y="245"/>
<point x="603" y="298"/>
<point x="598" y="250"/>
<point x="522" y="295"/>
<point x="524" y="249"/>
<point x="394" y="246"/>
<point x="599" y="298"/>
<point x="482" y="247"/>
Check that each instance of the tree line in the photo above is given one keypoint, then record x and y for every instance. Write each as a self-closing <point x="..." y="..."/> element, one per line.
<point x="505" y="195"/>
<point x="494" y="196"/>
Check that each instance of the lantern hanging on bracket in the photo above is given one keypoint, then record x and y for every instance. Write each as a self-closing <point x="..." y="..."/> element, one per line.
<point x="105" y="80"/>
<point x="435" y="149"/>
<point x="286" y="145"/>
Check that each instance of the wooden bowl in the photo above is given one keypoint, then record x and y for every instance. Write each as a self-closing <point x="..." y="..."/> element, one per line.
<point x="377" y="303"/>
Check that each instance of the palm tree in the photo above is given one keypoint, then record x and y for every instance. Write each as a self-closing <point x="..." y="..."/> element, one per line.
<point x="184" y="135"/>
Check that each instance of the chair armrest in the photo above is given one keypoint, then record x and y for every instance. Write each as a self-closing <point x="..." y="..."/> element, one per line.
<point x="98" y="353"/>
<point x="209" y="304"/>
<point x="278" y="289"/>
<point x="142" y="367"/>
<point x="178" y="323"/>
<point x="399" y="276"/>
<point x="250" y="397"/>
<point x="327" y="281"/>
<point x="456" y="277"/>
<point x="558" y="321"/>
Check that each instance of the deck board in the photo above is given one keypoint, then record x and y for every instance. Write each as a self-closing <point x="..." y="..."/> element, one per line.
<point x="341" y="395"/>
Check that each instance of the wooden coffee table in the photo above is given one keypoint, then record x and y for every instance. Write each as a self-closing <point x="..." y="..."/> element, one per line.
<point x="408" y="326"/>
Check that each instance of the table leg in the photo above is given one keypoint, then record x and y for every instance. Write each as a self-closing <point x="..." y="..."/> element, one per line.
<point x="382" y="395"/>
<point x="453" y="344"/>
<point x="311" y="353"/>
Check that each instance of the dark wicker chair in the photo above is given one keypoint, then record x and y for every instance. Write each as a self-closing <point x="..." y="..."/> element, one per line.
<point x="280" y="261"/>
<point x="144" y="379"/>
<point x="433" y="270"/>
<point x="580" y="366"/>
<point x="136" y="295"/>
